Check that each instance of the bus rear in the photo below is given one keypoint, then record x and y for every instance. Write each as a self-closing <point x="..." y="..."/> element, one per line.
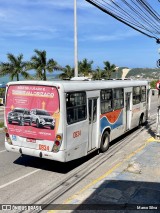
<point x="32" y="115"/>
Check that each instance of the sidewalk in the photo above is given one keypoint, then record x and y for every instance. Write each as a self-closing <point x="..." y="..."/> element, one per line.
<point x="135" y="181"/>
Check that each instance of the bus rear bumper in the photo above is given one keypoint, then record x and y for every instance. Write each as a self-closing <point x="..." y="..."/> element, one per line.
<point x="58" y="156"/>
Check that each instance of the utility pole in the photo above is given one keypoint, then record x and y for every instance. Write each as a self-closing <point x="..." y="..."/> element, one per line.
<point x="75" y="41"/>
<point x="158" y="107"/>
<point x="158" y="113"/>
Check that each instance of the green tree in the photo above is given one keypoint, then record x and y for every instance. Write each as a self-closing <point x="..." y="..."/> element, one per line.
<point x="109" y="69"/>
<point x="2" y="91"/>
<point x="68" y="73"/>
<point x="98" y="74"/>
<point x="14" y="67"/>
<point x="85" y="67"/>
<point x="153" y="84"/>
<point x="41" y="65"/>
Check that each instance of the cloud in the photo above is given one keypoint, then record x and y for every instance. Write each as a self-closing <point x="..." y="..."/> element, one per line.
<point x="2" y="14"/>
<point x="110" y="37"/>
<point x="30" y="32"/>
<point x="68" y="4"/>
<point x="22" y="20"/>
<point x="58" y="4"/>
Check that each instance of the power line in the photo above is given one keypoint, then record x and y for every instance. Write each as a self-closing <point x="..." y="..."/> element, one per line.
<point x="137" y="14"/>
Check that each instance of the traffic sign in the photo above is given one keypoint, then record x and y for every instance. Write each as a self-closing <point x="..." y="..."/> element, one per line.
<point x="158" y="63"/>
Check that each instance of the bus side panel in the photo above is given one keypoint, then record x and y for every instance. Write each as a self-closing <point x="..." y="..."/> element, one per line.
<point x="137" y="111"/>
<point x="113" y="121"/>
<point x="77" y="140"/>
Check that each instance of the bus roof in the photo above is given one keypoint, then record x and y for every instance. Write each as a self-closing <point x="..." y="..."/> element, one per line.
<point x="84" y="85"/>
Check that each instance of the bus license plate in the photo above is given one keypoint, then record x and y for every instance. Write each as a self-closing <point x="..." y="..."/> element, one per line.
<point x="43" y="147"/>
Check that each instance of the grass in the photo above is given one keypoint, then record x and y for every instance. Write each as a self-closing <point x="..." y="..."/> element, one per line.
<point x="1" y="124"/>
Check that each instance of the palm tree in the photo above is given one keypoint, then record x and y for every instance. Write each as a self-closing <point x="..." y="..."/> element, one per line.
<point x="98" y="74"/>
<point x="41" y="65"/>
<point x="85" y="67"/>
<point x="15" y="67"/>
<point x="108" y="69"/>
<point x="68" y="73"/>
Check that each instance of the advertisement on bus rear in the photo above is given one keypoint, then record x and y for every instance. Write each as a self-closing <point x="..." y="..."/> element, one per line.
<point x="32" y="111"/>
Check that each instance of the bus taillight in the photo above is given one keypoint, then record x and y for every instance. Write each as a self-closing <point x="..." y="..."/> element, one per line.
<point x="59" y="137"/>
<point x="7" y="135"/>
<point x="57" y="143"/>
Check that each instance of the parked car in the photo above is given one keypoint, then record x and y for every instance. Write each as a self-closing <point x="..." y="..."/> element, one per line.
<point x="42" y="118"/>
<point x="19" y="115"/>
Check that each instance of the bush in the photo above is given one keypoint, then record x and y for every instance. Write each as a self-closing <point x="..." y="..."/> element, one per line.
<point x="2" y="92"/>
<point x="153" y="84"/>
<point x="1" y="124"/>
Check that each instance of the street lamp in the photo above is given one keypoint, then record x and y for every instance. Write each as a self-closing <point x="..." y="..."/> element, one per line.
<point x="75" y="41"/>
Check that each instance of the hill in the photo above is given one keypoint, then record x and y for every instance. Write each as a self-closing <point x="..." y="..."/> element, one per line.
<point x="50" y="76"/>
<point x="146" y="73"/>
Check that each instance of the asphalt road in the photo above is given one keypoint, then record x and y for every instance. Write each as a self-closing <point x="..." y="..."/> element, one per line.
<point x="23" y="180"/>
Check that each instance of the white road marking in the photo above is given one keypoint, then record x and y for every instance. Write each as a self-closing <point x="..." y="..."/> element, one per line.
<point x="20" y="178"/>
<point x="2" y="151"/>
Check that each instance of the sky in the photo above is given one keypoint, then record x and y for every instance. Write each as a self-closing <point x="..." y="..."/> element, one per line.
<point x="48" y="25"/>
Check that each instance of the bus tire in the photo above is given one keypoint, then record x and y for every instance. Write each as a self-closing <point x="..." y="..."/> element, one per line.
<point x="141" y="121"/>
<point x="105" y="140"/>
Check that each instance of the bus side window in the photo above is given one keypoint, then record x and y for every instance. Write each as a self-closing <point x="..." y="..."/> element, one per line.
<point x="70" y="115"/>
<point x="94" y="110"/>
<point x="143" y="94"/>
<point x="81" y="113"/>
<point x="76" y="107"/>
<point x="118" y="99"/>
<point x="136" y="95"/>
<point x="106" y="101"/>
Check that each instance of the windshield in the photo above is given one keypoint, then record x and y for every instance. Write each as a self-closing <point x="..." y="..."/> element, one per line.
<point x="39" y="112"/>
<point x="19" y="110"/>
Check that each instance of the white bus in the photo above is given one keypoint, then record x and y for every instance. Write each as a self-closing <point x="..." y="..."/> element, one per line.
<point x="66" y="120"/>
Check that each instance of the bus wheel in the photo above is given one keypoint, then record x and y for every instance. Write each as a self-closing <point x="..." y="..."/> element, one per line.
<point x="105" y="141"/>
<point x="140" y="121"/>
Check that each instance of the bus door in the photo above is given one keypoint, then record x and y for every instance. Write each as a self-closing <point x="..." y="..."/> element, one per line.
<point x="92" y="109"/>
<point x="128" y="109"/>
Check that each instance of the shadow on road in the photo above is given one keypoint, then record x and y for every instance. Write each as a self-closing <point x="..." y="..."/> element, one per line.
<point x="53" y="166"/>
<point x="114" y="196"/>
<point x="60" y="167"/>
<point x="64" y="168"/>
